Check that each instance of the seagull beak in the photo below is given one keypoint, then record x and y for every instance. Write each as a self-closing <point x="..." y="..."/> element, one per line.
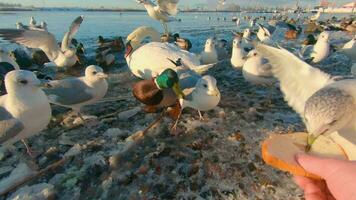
<point x="178" y="91"/>
<point x="311" y="140"/>
<point x="102" y="75"/>
<point x="44" y="84"/>
<point x="214" y="92"/>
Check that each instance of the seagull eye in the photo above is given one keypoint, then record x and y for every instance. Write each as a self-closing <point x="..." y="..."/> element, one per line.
<point x="205" y="85"/>
<point x="94" y="73"/>
<point x="255" y="54"/>
<point x="23" y="82"/>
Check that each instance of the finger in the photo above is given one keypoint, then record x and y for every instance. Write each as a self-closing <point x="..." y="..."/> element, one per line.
<point x="301" y="181"/>
<point x="323" y="167"/>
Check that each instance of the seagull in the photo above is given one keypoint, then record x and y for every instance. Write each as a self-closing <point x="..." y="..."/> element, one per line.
<point x="264" y="34"/>
<point x="24" y="110"/>
<point x="41" y="27"/>
<point x="209" y="55"/>
<point x="317" y="16"/>
<point x="148" y="60"/>
<point x="238" y="22"/>
<point x="163" y="11"/>
<point x="32" y="21"/>
<point x="327" y="105"/>
<point x="61" y="57"/>
<point x="318" y="52"/>
<point x="257" y="70"/>
<point x="353" y="70"/>
<point x="204" y="96"/>
<point x="238" y="54"/>
<point x="7" y="64"/>
<point x="75" y="93"/>
<point x="349" y="49"/>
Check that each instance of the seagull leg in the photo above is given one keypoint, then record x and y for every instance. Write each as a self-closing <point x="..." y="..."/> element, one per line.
<point x="30" y="152"/>
<point x="201" y="118"/>
<point x="165" y="27"/>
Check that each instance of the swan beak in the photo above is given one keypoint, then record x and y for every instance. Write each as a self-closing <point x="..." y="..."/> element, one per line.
<point x="178" y="91"/>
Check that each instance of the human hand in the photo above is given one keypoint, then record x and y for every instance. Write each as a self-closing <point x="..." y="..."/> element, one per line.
<point x="339" y="176"/>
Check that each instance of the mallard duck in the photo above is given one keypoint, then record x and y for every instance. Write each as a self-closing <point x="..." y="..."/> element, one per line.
<point x="309" y="40"/>
<point x="157" y="93"/>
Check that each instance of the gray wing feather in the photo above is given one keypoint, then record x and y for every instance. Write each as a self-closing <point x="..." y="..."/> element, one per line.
<point x="9" y="126"/>
<point x="73" y="30"/>
<point x="68" y="92"/>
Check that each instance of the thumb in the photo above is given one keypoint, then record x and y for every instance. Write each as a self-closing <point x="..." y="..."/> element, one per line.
<point x="323" y="167"/>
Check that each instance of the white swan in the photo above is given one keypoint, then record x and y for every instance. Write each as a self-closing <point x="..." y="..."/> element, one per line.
<point x="149" y="60"/>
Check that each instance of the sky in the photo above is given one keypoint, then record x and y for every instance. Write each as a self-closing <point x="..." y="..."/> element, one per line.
<point x="134" y="4"/>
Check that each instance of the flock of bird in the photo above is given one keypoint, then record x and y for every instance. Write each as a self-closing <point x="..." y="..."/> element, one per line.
<point x="172" y="76"/>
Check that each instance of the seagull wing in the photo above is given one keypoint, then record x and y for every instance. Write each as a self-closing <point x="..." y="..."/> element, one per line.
<point x="73" y="30"/>
<point x="168" y="6"/>
<point x="33" y="39"/>
<point x="68" y="92"/>
<point x="9" y="126"/>
<point x="298" y="80"/>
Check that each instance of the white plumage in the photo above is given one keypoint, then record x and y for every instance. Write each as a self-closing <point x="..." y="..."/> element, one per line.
<point x="257" y="70"/>
<point x="75" y="93"/>
<point x="61" y="57"/>
<point x="349" y="49"/>
<point x="209" y="55"/>
<point x="319" y="51"/>
<point x="327" y="106"/>
<point x="149" y="60"/>
<point x="238" y="54"/>
<point x="163" y="11"/>
<point x="25" y="110"/>
<point x="263" y="34"/>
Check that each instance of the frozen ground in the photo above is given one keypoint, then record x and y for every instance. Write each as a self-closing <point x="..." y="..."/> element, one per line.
<point x="215" y="159"/>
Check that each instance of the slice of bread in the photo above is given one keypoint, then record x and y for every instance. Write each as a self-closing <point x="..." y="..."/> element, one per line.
<point x="279" y="151"/>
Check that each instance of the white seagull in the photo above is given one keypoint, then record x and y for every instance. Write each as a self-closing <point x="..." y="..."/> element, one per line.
<point x="7" y="64"/>
<point x="353" y="70"/>
<point x="318" y="52"/>
<point x="24" y="110"/>
<point x="238" y="54"/>
<point x="209" y="55"/>
<point x="75" y="93"/>
<point x="204" y="96"/>
<point x="257" y="70"/>
<point x="61" y="57"/>
<point x="317" y="15"/>
<point x="264" y="34"/>
<point x="32" y="21"/>
<point x="327" y="106"/>
<point x="163" y="11"/>
<point x="349" y="49"/>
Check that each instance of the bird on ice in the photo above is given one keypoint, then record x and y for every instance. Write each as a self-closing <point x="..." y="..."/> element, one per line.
<point x="209" y="55"/>
<point x="264" y="34"/>
<point x="163" y="11"/>
<point x="148" y="60"/>
<point x="349" y="49"/>
<point x="24" y="110"/>
<point x="257" y="70"/>
<point x="238" y="54"/>
<point x="7" y="64"/>
<point x="61" y="57"/>
<point x="41" y="27"/>
<point x="318" y="52"/>
<point x="75" y="93"/>
<point x="204" y="96"/>
<point x="327" y="105"/>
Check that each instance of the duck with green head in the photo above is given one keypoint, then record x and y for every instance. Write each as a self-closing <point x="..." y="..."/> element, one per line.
<point x="159" y="92"/>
